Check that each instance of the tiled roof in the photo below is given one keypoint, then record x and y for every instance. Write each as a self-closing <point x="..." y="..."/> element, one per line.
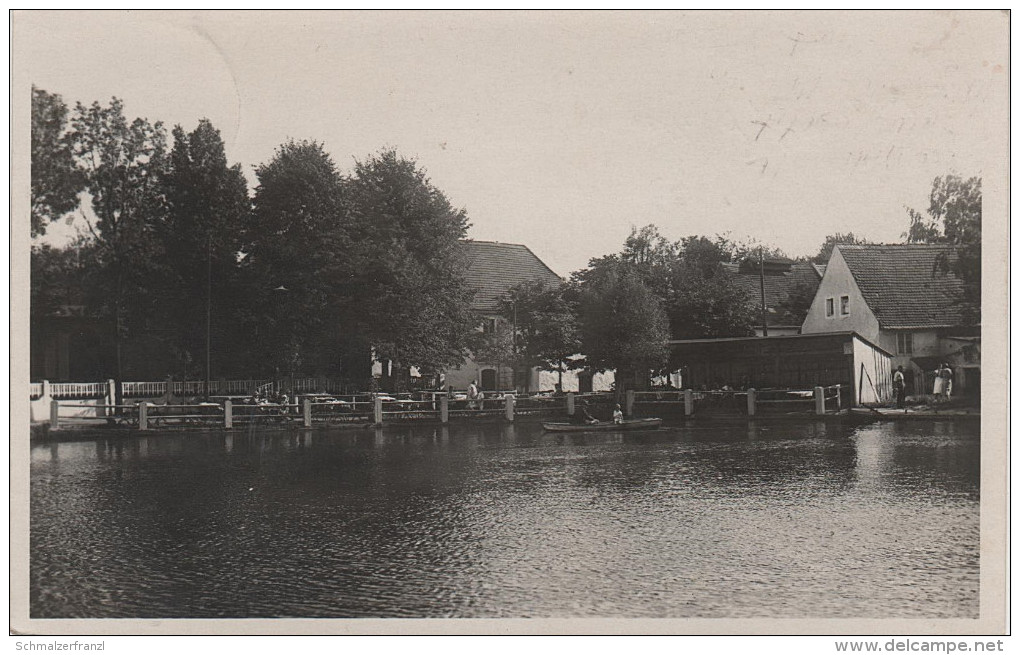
<point x="494" y="267"/>
<point x="780" y="281"/>
<point x="902" y="287"/>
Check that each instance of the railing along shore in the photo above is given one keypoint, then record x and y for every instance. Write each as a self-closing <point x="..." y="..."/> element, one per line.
<point x="311" y="409"/>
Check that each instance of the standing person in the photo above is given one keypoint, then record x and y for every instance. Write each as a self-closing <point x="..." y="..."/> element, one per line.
<point x="617" y="415"/>
<point x="899" y="384"/>
<point x="947" y="386"/>
<point x="939" y="386"/>
<point x="472" y="394"/>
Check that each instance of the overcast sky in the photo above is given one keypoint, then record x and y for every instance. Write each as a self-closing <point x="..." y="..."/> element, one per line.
<point x="561" y="131"/>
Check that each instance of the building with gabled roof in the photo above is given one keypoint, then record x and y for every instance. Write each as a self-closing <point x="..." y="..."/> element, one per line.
<point x="492" y="269"/>
<point x="906" y="299"/>
<point x="784" y="281"/>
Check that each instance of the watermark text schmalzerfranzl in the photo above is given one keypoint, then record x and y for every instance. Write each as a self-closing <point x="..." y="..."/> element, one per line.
<point x="919" y="646"/>
<point x="59" y="645"/>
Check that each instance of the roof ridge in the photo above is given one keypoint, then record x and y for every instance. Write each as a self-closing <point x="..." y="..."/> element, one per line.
<point x="494" y="243"/>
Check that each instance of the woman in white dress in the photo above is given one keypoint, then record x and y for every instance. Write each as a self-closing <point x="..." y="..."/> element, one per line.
<point x="939" y="389"/>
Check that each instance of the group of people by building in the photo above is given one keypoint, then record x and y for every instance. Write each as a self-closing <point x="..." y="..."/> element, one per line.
<point x="942" y="385"/>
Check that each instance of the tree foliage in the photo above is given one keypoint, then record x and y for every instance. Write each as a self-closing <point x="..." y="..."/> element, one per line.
<point x="297" y="261"/>
<point x="837" y="239"/>
<point x="622" y="324"/>
<point x="207" y="210"/>
<point x="705" y="301"/>
<point x="56" y="180"/>
<point x="413" y="303"/>
<point x="954" y="218"/>
<point x="122" y="165"/>
<point x="538" y="329"/>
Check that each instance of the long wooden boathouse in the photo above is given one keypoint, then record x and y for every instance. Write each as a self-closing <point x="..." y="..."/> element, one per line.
<point x="863" y="369"/>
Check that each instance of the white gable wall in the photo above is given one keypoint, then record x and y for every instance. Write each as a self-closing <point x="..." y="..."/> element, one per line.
<point x="839" y="281"/>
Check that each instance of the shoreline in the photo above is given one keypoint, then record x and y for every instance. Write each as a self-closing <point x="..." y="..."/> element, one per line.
<point x="41" y="433"/>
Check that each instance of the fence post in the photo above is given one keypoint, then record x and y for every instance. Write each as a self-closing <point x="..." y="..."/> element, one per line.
<point x="839" y="398"/>
<point x="444" y="409"/>
<point x="819" y="401"/>
<point x="751" y="397"/>
<point x="630" y="402"/>
<point x="143" y="415"/>
<point x="377" y="411"/>
<point x="509" y="399"/>
<point x="228" y="414"/>
<point x="308" y="412"/>
<point x="570" y="403"/>
<point x="688" y="402"/>
<point x="111" y="394"/>
<point x="54" y="413"/>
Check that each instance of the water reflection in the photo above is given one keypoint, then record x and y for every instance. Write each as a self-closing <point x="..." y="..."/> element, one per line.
<point x="757" y="519"/>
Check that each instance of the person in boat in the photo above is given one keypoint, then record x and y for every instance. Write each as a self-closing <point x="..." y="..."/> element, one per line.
<point x="617" y="415"/>
<point x="472" y="394"/>
<point x="582" y="416"/>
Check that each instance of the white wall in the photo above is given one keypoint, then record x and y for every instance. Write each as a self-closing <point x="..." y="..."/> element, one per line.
<point x="839" y="281"/>
<point x="874" y="368"/>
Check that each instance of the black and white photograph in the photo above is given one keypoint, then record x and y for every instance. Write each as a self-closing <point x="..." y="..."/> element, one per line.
<point x="510" y="322"/>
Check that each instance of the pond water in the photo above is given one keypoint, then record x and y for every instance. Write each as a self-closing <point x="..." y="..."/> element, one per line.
<point x="798" y="520"/>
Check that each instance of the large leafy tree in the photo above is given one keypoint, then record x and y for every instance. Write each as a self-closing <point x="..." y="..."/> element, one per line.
<point x="413" y="303"/>
<point x="56" y="179"/>
<point x="122" y="165"/>
<point x="207" y="211"/>
<point x="704" y="301"/>
<point x="538" y="329"/>
<point x="622" y="324"/>
<point x="954" y="218"/>
<point x="297" y="262"/>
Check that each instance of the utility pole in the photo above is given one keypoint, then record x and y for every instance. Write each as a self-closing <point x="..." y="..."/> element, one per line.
<point x="208" y="311"/>
<point x="761" y="277"/>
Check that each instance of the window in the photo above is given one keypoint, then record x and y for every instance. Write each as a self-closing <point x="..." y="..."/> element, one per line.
<point x="904" y="343"/>
<point x="829" y="307"/>
<point x="489" y="326"/>
<point x="844" y="305"/>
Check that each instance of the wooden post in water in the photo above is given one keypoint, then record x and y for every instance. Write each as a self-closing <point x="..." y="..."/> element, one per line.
<point x="308" y="412"/>
<point x="819" y="401"/>
<point x="751" y="397"/>
<point x="228" y="414"/>
<point x="143" y="415"/>
<point x="509" y="400"/>
<point x="377" y="411"/>
<point x="444" y="409"/>
<point x="54" y="414"/>
<point x="630" y="403"/>
<point x="688" y="402"/>
<point x="570" y="403"/>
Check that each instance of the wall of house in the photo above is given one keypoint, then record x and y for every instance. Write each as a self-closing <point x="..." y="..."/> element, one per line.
<point x="872" y="374"/>
<point x="839" y="281"/>
<point x="572" y="381"/>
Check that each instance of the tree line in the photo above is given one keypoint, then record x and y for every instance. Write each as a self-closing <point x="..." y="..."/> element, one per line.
<point x="310" y="274"/>
<point x="319" y="269"/>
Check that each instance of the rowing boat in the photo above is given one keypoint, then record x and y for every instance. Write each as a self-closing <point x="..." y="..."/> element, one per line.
<point x="609" y="426"/>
